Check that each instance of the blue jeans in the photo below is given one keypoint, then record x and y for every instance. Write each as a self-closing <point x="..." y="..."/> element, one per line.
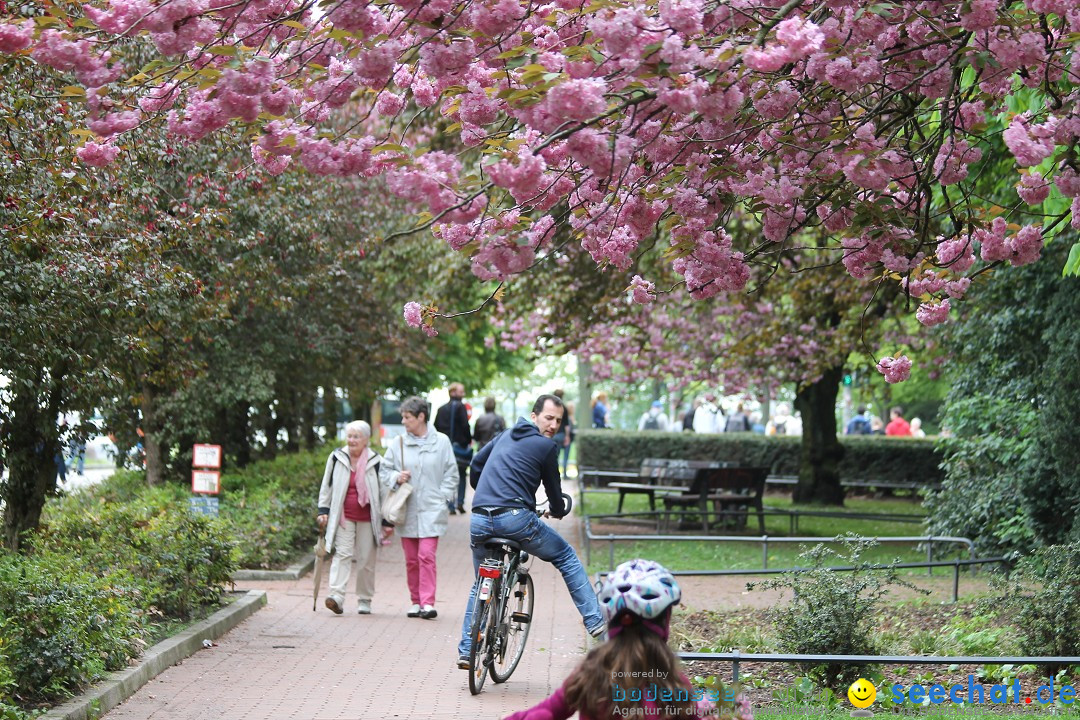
<point x="536" y="538"/>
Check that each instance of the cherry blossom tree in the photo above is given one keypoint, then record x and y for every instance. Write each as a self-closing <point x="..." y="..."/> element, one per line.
<point x="864" y="117"/>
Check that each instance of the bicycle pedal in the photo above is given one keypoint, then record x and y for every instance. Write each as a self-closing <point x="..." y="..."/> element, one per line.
<point x="520" y="617"/>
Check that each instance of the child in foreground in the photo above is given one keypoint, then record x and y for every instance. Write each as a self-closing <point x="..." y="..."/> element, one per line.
<point x="635" y="673"/>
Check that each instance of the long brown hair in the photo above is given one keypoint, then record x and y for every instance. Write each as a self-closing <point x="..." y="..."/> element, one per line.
<point x="636" y="658"/>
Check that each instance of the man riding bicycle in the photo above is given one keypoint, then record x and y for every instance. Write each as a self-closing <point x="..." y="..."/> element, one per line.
<point x="506" y="474"/>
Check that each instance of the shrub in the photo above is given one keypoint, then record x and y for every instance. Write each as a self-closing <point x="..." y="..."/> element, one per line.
<point x="62" y="627"/>
<point x="1043" y="598"/>
<point x="188" y="558"/>
<point x="873" y="457"/>
<point x="831" y="613"/>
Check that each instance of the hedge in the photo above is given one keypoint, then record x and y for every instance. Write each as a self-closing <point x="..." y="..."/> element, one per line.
<point x="879" y="458"/>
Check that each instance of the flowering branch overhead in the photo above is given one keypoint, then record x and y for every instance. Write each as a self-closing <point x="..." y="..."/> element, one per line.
<point x="872" y="119"/>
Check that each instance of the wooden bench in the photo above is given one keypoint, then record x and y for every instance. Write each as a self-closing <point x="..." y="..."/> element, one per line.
<point x="732" y="492"/>
<point x="664" y="476"/>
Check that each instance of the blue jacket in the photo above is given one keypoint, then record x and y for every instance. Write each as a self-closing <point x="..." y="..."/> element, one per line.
<point x="508" y="471"/>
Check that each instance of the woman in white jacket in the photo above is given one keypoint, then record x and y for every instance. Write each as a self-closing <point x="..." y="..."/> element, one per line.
<point x="350" y="512"/>
<point x="424" y="458"/>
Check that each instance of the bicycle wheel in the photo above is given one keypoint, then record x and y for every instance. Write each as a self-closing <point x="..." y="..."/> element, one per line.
<point x="481" y="639"/>
<point x="513" y="630"/>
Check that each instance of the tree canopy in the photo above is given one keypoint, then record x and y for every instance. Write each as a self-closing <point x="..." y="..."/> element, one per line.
<point x="504" y="120"/>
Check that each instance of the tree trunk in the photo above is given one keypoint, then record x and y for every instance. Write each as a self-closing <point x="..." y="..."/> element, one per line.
<point x="329" y="414"/>
<point x="584" y="408"/>
<point x="819" y="466"/>
<point x="307" y="419"/>
<point x="32" y="446"/>
<point x="155" y="466"/>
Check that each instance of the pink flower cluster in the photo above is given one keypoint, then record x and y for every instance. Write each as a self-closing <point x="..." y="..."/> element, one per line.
<point x="97" y="154"/>
<point x="951" y="164"/>
<point x="642" y="291"/>
<point x="1029" y="144"/>
<point x="895" y="369"/>
<point x="1023" y="248"/>
<point x="713" y="267"/>
<point x="13" y="39"/>
<point x="1033" y="188"/>
<point x="796" y="38"/>
<point x="930" y="314"/>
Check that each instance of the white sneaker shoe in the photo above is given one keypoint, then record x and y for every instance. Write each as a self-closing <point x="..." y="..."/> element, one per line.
<point x="429" y="612"/>
<point x="414" y="610"/>
<point x="364" y="607"/>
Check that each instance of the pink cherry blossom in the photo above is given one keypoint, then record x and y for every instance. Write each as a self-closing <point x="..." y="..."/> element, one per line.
<point x="14" y="39"/>
<point x="414" y="313"/>
<point x="930" y="314"/>
<point x="641" y="290"/>
<point x="895" y="369"/>
<point x="97" y="155"/>
<point x="1033" y="188"/>
<point x="1029" y="144"/>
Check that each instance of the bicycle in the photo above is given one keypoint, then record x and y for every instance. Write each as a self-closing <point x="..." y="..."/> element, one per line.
<point x="498" y="632"/>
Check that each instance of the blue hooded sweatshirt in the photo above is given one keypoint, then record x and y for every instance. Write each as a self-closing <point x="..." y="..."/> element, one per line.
<point x="508" y="471"/>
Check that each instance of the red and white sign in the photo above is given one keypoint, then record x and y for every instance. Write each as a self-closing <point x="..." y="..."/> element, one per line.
<point x="207" y="482"/>
<point x="206" y="456"/>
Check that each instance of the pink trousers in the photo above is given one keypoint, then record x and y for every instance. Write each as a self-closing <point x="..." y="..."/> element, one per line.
<point x="420" y="568"/>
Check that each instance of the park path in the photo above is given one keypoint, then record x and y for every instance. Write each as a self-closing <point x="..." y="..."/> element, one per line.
<point x="291" y="663"/>
<point x="287" y="662"/>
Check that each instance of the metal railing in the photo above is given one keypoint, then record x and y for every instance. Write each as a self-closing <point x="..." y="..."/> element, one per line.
<point x="793" y="513"/>
<point x="954" y="564"/>
<point x="765" y="540"/>
<point x="736" y="658"/>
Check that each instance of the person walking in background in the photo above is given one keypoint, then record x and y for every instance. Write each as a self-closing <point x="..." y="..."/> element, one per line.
<point x="634" y="673"/>
<point x="654" y="418"/>
<point x="860" y="424"/>
<point x="350" y="515"/>
<point x="601" y="418"/>
<point x="708" y="417"/>
<point x="562" y="435"/>
<point x="422" y="457"/>
<point x="452" y="420"/>
<point x="916" y="428"/>
<point x="877" y="427"/>
<point x="898" y="426"/>
<point x="688" y="419"/>
<point x="570" y="428"/>
<point x="738" y="421"/>
<point x="488" y="425"/>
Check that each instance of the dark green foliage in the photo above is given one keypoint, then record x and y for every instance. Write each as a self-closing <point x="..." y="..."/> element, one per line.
<point x="1013" y="465"/>
<point x="865" y="458"/>
<point x="61" y="626"/>
<point x="270" y="507"/>
<point x="1043" y="598"/>
<point x="832" y="613"/>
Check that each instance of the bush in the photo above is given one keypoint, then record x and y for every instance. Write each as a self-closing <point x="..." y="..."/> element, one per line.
<point x="270" y="507"/>
<point x="61" y="626"/>
<point x="866" y="458"/>
<point x="1043" y="598"/>
<point x="179" y="561"/>
<point x="831" y="613"/>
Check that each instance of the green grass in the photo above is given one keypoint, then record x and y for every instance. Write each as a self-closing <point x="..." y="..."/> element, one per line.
<point x="703" y="555"/>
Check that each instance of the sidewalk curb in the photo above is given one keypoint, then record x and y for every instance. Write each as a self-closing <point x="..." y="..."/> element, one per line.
<point x="293" y="572"/>
<point x="119" y="686"/>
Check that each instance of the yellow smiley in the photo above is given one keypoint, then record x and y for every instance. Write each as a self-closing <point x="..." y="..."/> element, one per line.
<point x="862" y="693"/>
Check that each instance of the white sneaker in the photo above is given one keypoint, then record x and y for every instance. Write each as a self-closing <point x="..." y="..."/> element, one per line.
<point x="414" y="610"/>
<point x="429" y="612"/>
<point x="364" y="607"/>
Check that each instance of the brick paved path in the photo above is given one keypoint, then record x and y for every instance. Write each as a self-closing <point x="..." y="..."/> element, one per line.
<point x="291" y="663"/>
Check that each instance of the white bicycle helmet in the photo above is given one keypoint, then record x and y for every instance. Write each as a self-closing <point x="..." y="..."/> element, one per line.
<point x="642" y="587"/>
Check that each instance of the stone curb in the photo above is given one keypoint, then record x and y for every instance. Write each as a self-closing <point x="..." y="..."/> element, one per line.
<point x="293" y="572"/>
<point x="119" y="686"/>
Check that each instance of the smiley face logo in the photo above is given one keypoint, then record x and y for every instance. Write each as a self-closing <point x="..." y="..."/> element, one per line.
<point x="862" y="693"/>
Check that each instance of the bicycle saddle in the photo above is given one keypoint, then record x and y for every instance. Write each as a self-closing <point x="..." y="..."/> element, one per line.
<point x="501" y="542"/>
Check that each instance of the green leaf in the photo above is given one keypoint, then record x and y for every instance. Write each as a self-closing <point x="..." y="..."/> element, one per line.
<point x="1072" y="265"/>
<point x="227" y="50"/>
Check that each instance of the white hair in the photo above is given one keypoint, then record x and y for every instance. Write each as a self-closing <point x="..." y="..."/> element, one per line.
<point x="359" y="425"/>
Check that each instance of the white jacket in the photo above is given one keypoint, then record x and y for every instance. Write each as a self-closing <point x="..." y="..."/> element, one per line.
<point x="335" y="484"/>
<point x="434" y="470"/>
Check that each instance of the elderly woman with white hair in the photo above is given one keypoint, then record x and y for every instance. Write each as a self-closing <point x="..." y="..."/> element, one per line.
<point x="350" y="512"/>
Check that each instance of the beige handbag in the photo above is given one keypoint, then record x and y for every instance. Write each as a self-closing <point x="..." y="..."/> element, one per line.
<point x="396" y="503"/>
